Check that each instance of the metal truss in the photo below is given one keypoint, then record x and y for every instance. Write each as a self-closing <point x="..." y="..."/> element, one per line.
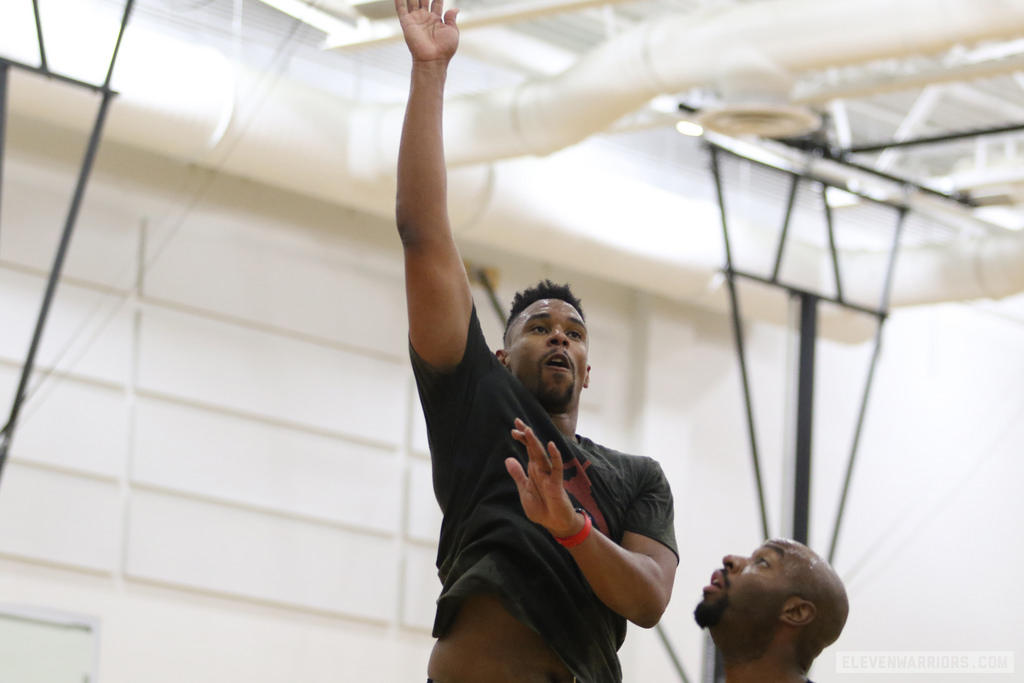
<point x="85" y="170"/>
<point x="808" y="304"/>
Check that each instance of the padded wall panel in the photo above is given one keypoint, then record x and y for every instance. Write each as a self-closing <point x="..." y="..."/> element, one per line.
<point x="86" y="332"/>
<point x="70" y="424"/>
<point x="104" y="245"/>
<point x="424" y="522"/>
<point x="266" y="465"/>
<point x="421" y="587"/>
<point x="60" y="518"/>
<point x="418" y="427"/>
<point x="311" y="283"/>
<point x="278" y="377"/>
<point x="211" y="547"/>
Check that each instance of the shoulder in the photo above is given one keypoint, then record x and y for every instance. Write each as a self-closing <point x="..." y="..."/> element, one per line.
<point x="475" y="349"/>
<point x="619" y="459"/>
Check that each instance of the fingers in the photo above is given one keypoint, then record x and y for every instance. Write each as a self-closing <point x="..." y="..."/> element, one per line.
<point x="403" y="7"/>
<point x="550" y="461"/>
<point x="515" y="471"/>
<point x="555" y="456"/>
<point x="534" y="448"/>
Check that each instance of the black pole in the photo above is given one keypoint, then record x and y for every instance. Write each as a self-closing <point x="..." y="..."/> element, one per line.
<point x="39" y="36"/>
<point x="737" y="325"/>
<point x="790" y="203"/>
<point x="876" y="351"/>
<point x="804" y="417"/>
<point x="492" y="296"/>
<point x="890" y="267"/>
<point x="839" y="157"/>
<point x="856" y="443"/>
<point x="117" y="44"/>
<point x="93" y="87"/>
<point x="714" y="664"/>
<point x="7" y="433"/>
<point x="51" y="285"/>
<point x="932" y="140"/>
<point x="678" y="663"/>
<point x="832" y="242"/>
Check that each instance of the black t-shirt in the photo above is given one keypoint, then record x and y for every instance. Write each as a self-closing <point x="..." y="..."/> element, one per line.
<point x="487" y="545"/>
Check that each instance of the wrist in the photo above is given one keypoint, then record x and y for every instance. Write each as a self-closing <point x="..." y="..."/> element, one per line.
<point x="430" y="67"/>
<point x="581" y="533"/>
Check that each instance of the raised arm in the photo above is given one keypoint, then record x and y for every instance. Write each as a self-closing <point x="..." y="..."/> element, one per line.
<point x="437" y="289"/>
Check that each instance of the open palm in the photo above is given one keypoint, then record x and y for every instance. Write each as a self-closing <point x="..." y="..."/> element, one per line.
<point x="429" y="36"/>
<point x="541" y="486"/>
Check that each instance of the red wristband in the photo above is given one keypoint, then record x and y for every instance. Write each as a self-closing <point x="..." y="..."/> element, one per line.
<point x="579" y="536"/>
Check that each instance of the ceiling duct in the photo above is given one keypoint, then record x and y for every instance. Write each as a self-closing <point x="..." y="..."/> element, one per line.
<point x="760" y="119"/>
<point x="755" y="94"/>
<point x="191" y="107"/>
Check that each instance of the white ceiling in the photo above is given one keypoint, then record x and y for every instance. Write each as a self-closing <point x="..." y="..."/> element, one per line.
<point x="960" y="88"/>
<point x="874" y="102"/>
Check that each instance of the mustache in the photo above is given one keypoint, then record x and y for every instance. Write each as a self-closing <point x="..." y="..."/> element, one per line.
<point x="561" y="354"/>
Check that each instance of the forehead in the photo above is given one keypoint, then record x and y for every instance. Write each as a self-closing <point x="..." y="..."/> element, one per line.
<point x="551" y="308"/>
<point x="790" y="554"/>
<point x="779" y="549"/>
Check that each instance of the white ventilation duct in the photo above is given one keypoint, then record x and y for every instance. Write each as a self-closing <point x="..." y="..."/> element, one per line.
<point x="200" y="108"/>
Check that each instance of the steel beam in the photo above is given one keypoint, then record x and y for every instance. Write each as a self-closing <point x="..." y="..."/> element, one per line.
<point x="876" y="351"/>
<point x="932" y="139"/>
<point x="737" y="324"/>
<point x="804" y="416"/>
<point x="8" y="430"/>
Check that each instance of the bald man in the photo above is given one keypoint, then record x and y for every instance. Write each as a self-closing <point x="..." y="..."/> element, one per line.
<point x="772" y="613"/>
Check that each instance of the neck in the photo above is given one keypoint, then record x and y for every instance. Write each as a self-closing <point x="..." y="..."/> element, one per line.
<point x="565" y="423"/>
<point x="764" y="670"/>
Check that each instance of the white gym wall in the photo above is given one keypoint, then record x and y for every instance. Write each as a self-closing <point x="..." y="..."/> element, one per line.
<point x="223" y="463"/>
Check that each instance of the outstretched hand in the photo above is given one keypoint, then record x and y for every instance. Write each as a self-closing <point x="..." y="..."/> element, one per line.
<point x="430" y="35"/>
<point x="541" y="488"/>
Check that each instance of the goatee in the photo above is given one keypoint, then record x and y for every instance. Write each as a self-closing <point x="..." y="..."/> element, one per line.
<point x="555" y="401"/>
<point x="708" y="614"/>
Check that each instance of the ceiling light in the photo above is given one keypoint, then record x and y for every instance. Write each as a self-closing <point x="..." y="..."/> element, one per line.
<point x="838" y="199"/>
<point x="761" y="119"/>
<point x="689" y="128"/>
<point x="311" y="15"/>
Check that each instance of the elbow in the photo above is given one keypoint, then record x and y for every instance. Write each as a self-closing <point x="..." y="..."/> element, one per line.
<point x="648" y="616"/>
<point x="647" y="613"/>
<point x="408" y="234"/>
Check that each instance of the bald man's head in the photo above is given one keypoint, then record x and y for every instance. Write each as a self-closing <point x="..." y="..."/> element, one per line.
<point x="783" y="588"/>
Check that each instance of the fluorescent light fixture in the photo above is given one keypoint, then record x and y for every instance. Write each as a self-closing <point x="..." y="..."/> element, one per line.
<point x="996" y="51"/>
<point x="665" y="104"/>
<point x="838" y="199"/>
<point x="1003" y="216"/>
<point x="308" y="14"/>
<point x="689" y="128"/>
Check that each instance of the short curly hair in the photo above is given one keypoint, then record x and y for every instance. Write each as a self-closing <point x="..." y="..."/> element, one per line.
<point x="545" y="289"/>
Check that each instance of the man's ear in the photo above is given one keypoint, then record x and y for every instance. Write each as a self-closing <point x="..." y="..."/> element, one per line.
<point x="797" y="612"/>
<point x="586" y="378"/>
<point x="502" y="357"/>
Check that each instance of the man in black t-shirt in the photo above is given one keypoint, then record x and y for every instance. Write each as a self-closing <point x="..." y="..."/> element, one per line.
<point x="549" y="543"/>
<point x="772" y="613"/>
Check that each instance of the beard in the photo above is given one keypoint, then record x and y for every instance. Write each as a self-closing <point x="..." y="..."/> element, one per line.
<point x="556" y="399"/>
<point x="708" y="614"/>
